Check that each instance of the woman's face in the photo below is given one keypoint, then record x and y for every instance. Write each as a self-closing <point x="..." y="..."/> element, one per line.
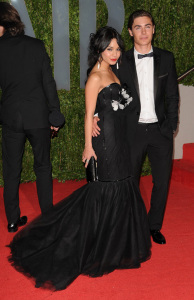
<point x="112" y="53"/>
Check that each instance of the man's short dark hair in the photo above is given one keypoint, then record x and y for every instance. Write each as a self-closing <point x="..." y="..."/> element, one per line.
<point x="137" y="14"/>
<point x="10" y="19"/>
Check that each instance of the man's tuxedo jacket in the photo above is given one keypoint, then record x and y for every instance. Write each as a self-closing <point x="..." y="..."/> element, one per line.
<point x="28" y="88"/>
<point x="166" y="94"/>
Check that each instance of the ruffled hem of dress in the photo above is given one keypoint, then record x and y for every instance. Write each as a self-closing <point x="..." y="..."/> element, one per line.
<point x="48" y="285"/>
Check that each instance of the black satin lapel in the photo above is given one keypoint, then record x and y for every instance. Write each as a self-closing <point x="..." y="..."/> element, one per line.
<point x="156" y="72"/>
<point x="133" y="71"/>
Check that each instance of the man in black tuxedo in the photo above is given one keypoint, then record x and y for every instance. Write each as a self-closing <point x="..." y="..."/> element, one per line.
<point x="29" y="109"/>
<point x="152" y="116"/>
<point x="152" y="119"/>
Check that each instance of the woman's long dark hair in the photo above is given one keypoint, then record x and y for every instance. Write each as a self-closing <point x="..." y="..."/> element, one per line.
<point x="99" y="41"/>
<point x="10" y="19"/>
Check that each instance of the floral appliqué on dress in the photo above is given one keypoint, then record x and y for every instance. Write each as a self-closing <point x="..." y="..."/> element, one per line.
<point x="124" y="100"/>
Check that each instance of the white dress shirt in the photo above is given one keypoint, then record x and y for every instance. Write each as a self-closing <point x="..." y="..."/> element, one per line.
<point x="145" y="75"/>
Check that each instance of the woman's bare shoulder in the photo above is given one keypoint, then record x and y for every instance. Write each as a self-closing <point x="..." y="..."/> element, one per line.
<point x="94" y="79"/>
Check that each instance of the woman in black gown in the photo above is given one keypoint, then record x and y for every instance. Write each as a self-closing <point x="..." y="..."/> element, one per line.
<point x="103" y="225"/>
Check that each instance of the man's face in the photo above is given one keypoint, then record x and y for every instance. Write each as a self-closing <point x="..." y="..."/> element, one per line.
<point x="142" y="31"/>
<point x="2" y="30"/>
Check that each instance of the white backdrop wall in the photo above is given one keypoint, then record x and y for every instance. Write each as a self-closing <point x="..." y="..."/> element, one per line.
<point x="185" y="132"/>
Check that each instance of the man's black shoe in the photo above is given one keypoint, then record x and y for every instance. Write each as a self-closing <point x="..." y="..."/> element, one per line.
<point x="158" y="237"/>
<point x="22" y="221"/>
<point x="13" y="227"/>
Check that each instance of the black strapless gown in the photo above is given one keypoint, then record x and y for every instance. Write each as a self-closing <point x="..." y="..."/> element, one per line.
<point x="100" y="227"/>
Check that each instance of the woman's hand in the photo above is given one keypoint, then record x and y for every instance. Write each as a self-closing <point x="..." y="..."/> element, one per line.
<point x="87" y="154"/>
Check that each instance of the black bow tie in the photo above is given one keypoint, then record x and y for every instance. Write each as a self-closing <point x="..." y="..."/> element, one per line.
<point x="140" y="56"/>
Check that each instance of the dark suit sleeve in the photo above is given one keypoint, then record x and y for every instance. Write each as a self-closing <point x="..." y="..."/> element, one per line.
<point x="49" y="85"/>
<point x="172" y="94"/>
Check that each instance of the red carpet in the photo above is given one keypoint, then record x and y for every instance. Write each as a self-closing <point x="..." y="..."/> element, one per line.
<point x="169" y="274"/>
<point x="183" y="169"/>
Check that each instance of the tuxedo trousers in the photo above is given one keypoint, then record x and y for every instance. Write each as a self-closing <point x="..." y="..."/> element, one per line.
<point x="13" y="144"/>
<point x="149" y="141"/>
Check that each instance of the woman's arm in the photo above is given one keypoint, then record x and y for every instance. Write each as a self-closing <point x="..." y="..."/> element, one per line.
<point x="91" y="93"/>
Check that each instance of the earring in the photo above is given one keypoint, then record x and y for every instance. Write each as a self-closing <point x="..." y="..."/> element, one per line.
<point x="98" y="65"/>
<point x="117" y="65"/>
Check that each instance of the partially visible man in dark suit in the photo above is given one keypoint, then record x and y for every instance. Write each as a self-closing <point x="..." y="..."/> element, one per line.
<point x="29" y="109"/>
<point x="152" y="116"/>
